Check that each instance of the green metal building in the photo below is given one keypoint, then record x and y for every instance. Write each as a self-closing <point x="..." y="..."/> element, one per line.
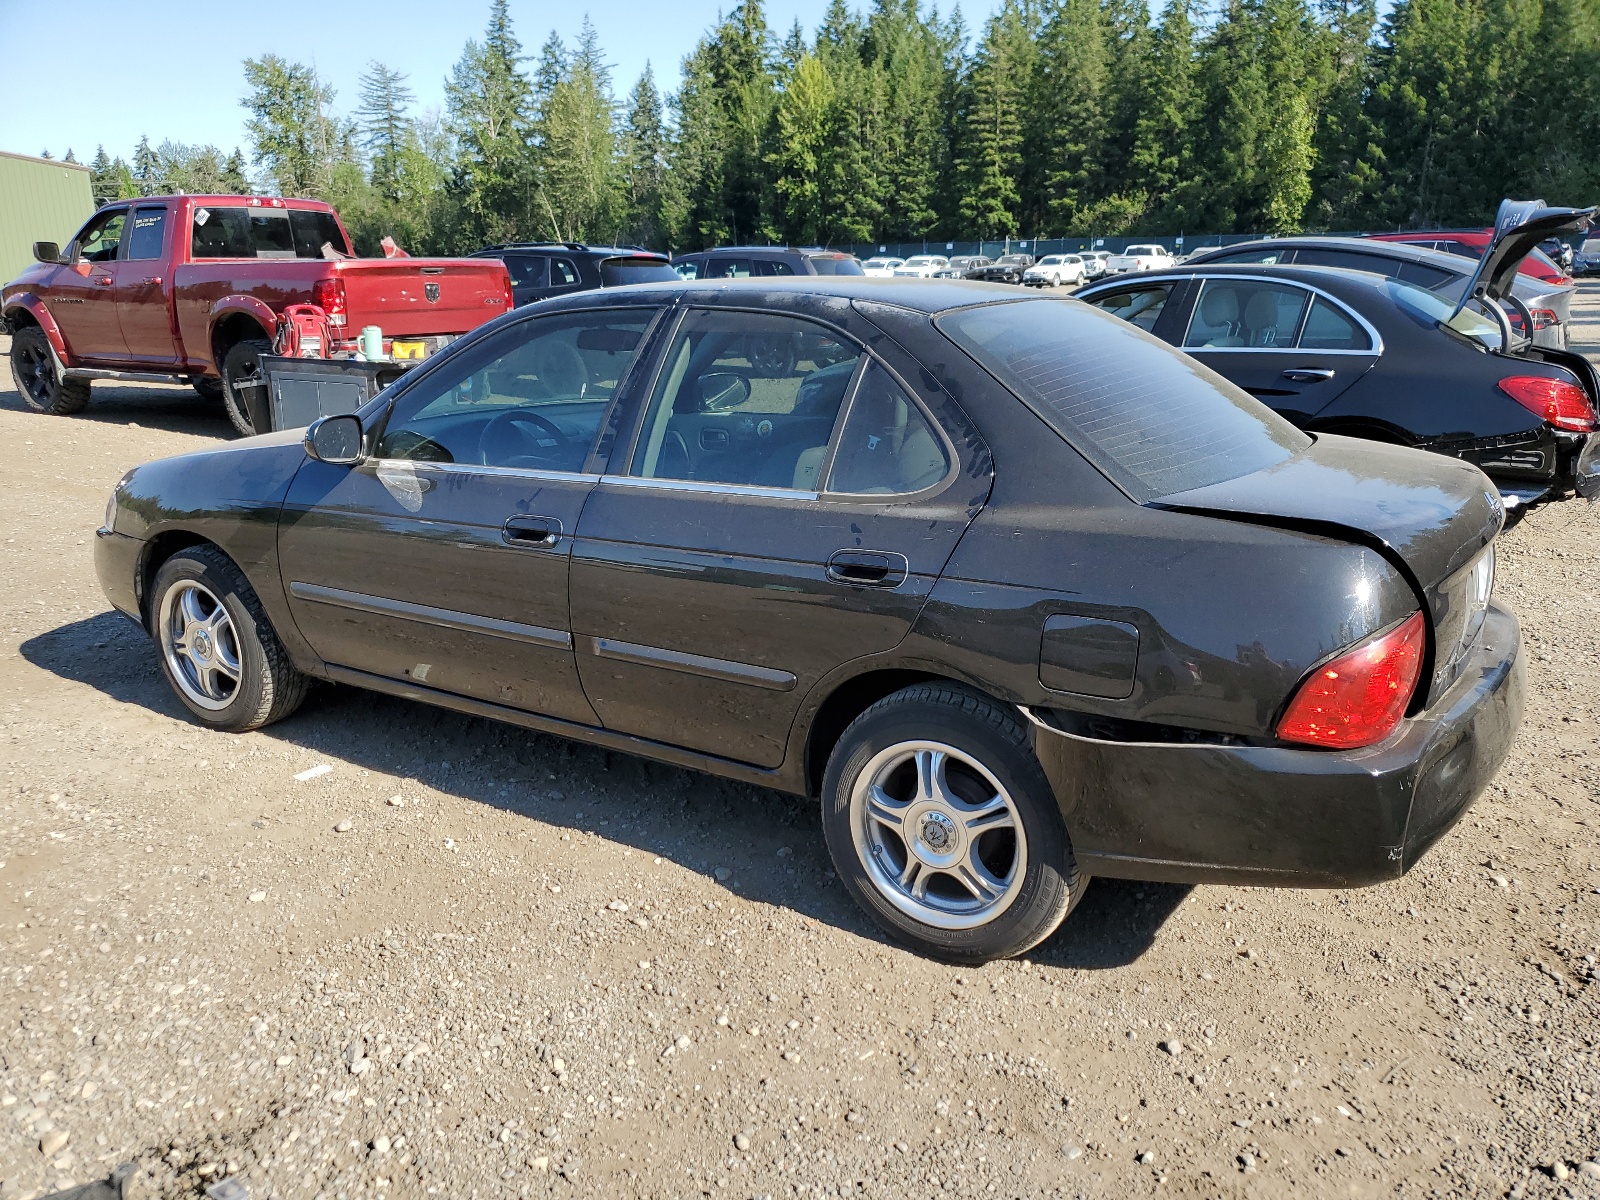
<point x="41" y="200"/>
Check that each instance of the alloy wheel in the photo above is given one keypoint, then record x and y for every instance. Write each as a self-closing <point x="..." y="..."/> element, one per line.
<point x="200" y="644"/>
<point x="939" y="836"/>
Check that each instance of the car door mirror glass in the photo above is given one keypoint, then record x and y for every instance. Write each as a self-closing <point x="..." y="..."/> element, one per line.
<point x="46" y="252"/>
<point x="721" y="391"/>
<point x="335" y="440"/>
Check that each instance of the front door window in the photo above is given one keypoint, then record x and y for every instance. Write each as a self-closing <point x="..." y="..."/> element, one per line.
<point x="99" y="242"/>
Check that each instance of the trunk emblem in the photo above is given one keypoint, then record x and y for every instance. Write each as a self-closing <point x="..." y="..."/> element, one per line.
<point x="431" y="291"/>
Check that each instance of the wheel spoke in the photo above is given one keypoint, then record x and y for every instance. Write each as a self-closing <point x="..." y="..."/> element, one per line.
<point x="915" y="879"/>
<point x="930" y="774"/>
<point x="993" y="813"/>
<point x="886" y="810"/>
<point x="189" y="605"/>
<point x="978" y="879"/>
<point x="207" y="678"/>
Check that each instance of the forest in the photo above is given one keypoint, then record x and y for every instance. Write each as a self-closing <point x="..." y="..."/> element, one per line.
<point x="1055" y="118"/>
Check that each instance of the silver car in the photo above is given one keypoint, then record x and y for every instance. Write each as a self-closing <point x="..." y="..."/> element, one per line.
<point x="1549" y="304"/>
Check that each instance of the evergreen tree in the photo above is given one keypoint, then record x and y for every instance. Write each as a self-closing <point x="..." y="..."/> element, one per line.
<point x="1161" y="161"/>
<point x="105" y="180"/>
<point x="384" y="123"/>
<point x="806" y="115"/>
<point x="579" y="181"/>
<point x="490" y="106"/>
<point x="147" y="172"/>
<point x="297" y="138"/>
<point x="644" y="149"/>
<point x="991" y="128"/>
<point x="1069" y="116"/>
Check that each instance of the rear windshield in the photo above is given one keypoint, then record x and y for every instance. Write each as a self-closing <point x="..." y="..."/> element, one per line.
<point x="836" y="264"/>
<point x="615" y="272"/>
<point x="1430" y="309"/>
<point x="1154" y="420"/>
<point x="264" y="233"/>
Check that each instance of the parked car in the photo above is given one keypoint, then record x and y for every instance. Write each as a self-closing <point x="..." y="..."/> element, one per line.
<point x="1008" y="268"/>
<point x="1359" y="354"/>
<point x="540" y="270"/>
<point x="191" y="288"/>
<point x="743" y="262"/>
<point x="1587" y="260"/>
<point x="1094" y="263"/>
<point x="1559" y="253"/>
<point x="1549" y="306"/>
<point x="1053" y="270"/>
<point x="792" y="556"/>
<point x="922" y="266"/>
<point x="1472" y="243"/>
<point x="961" y="264"/>
<point x="881" y="267"/>
<point x="1139" y="258"/>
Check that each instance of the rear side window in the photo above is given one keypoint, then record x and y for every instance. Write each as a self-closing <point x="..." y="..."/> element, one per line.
<point x="1154" y="420"/>
<point x="1327" y="328"/>
<point x="1423" y="275"/>
<point x="528" y="270"/>
<point x="148" y="234"/>
<point x="835" y="264"/>
<point x="726" y="268"/>
<point x="563" y="272"/>
<point x="887" y="446"/>
<point x="772" y="266"/>
<point x="615" y="272"/>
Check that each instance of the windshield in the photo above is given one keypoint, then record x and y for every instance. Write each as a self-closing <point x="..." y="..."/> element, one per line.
<point x="615" y="272"/>
<point x="1159" y="423"/>
<point x="1432" y="309"/>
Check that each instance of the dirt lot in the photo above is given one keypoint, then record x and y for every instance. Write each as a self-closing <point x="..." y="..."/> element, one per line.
<point x="527" y="968"/>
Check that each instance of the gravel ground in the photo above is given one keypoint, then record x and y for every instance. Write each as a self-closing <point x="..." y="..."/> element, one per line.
<point x="466" y="960"/>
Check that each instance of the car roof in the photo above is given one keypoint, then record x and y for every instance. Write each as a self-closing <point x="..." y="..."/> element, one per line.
<point x="1338" y="277"/>
<point x="929" y="296"/>
<point x="565" y="248"/>
<point x="1455" y="263"/>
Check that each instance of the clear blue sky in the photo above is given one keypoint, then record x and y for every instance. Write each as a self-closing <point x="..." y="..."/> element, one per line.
<point x="172" y="71"/>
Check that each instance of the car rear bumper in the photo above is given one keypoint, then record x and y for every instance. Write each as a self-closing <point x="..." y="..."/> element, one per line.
<point x="1196" y="813"/>
<point x="116" y="563"/>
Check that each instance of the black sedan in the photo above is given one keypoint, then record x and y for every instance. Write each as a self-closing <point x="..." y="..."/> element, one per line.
<point x="906" y="547"/>
<point x="1373" y="357"/>
<point x="1008" y="268"/>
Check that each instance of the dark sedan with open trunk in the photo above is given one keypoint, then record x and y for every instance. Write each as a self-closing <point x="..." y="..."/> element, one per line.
<point x="908" y="547"/>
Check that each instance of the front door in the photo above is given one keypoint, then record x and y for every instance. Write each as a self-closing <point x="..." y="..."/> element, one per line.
<point x="443" y="559"/>
<point x="785" y="508"/>
<point x="84" y="293"/>
<point x="1293" y="349"/>
<point x="143" y="311"/>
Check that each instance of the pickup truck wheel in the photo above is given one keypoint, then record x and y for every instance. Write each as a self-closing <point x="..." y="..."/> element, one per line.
<point x="241" y="373"/>
<point x="33" y="368"/>
<point x="208" y="388"/>
<point x="218" y="649"/>
<point x="944" y="829"/>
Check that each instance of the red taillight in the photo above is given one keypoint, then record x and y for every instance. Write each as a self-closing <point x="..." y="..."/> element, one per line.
<point x="1565" y="405"/>
<point x="511" y="300"/>
<point x="328" y="295"/>
<point x="1359" y="697"/>
<point x="1544" y="318"/>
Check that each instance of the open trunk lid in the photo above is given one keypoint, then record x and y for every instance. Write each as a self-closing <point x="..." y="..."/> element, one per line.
<point x="423" y="296"/>
<point x="1519" y="227"/>
<point x="1430" y="515"/>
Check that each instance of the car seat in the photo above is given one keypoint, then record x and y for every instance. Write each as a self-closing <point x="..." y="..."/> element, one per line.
<point x="1261" y="319"/>
<point x="1219" y="309"/>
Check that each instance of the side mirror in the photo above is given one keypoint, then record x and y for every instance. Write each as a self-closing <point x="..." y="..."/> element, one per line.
<point x="47" y="252"/>
<point x="722" y="391"/>
<point x="335" y="440"/>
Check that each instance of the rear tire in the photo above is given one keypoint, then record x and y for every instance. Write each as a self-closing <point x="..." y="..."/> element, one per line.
<point x="241" y="371"/>
<point x="33" y="368"/>
<point x="944" y="829"/>
<point x="217" y="648"/>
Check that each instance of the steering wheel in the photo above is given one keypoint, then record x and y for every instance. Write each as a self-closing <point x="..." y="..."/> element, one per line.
<point x="542" y="436"/>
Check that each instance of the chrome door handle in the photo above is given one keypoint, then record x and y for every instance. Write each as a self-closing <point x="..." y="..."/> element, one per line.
<point x="1308" y="374"/>
<point x="531" y="533"/>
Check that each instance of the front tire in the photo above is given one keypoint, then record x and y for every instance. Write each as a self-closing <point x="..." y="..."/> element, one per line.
<point x="241" y="373"/>
<point x="207" y="388"/>
<point x="943" y="827"/>
<point x="33" y="368"/>
<point x="218" y="650"/>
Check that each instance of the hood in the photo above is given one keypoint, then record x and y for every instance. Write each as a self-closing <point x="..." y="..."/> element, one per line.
<point x="1519" y="227"/>
<point x="1428" y="514"/>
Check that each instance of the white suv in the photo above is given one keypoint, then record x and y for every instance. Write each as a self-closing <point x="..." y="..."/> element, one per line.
<point x="1055" y="269"/>
<point x="922" y="266"/>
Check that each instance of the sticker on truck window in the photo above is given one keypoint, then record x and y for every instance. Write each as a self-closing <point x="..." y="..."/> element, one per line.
<point x="202" y="215"/>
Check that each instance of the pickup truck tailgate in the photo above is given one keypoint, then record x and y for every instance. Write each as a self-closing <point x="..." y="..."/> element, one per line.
<point x="423" y="296"/>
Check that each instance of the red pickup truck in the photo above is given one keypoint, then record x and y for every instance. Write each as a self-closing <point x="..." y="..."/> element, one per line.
<point x="190" y="288"/>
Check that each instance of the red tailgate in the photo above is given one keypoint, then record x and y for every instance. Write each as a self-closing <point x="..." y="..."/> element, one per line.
<point x="422" y="296"/>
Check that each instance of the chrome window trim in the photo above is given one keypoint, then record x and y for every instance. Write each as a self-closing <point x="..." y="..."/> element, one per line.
<point x="455" y="468"/>
<point x="441" y="618"/>
<point x="695" y="485"/>
<point x="1377" y="338"/>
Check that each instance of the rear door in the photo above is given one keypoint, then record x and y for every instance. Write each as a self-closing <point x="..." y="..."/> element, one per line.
<point x="1292" y="347"/>
<point x="785" y="507"/>
<point x="144" y="285"/>
<point x="443" y="559"/>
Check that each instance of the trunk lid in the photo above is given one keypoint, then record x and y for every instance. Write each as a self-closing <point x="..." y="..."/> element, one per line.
<point x="1430" y="515"/>
<point x="1519" y="227"/>
<point x="420" y="296"/>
